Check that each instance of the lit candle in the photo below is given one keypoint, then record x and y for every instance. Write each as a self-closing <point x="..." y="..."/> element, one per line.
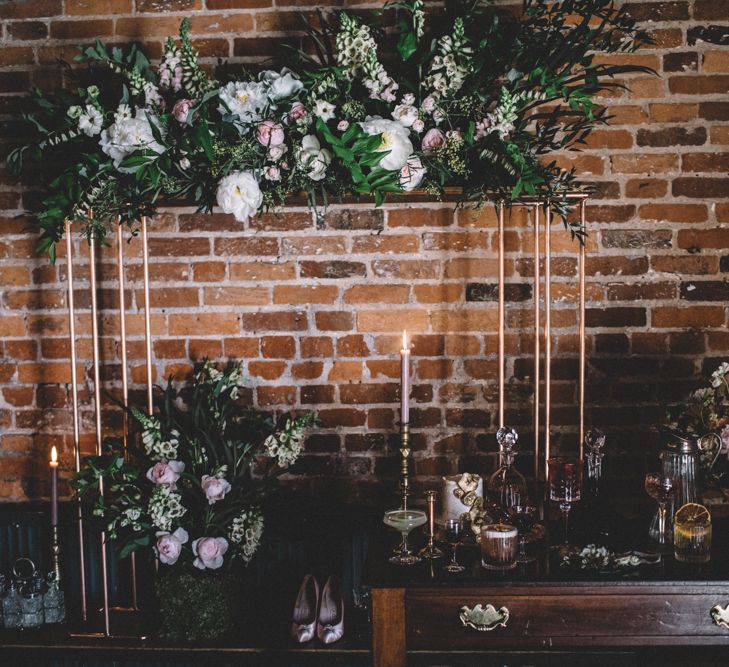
<point x="54" y="487"/>
<point x="405" y="380"/>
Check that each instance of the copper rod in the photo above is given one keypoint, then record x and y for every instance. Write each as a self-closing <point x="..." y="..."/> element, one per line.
<point x="74" y="400"/>
<point x="537" y="341"/>
<point x="97" y="411"/>
<point x="502" y="288"/>
<point x="547" y="335"/>
<point x="147" y="324"/>
<point x="582" y="332"/>
<point x="124" y="376"/>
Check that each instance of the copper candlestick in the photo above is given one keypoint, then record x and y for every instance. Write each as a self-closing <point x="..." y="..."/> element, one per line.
<point x="430" y="550"/>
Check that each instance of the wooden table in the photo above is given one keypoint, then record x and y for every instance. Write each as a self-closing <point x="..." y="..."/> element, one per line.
<point x="544" y="606"/>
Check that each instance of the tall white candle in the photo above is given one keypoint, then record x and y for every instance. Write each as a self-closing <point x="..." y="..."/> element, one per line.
<point x="405" y="380"/>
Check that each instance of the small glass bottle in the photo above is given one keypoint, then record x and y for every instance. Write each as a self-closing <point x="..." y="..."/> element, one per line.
<point x="507" y="486"/>
<point x="12" y="616"/>
<point x="31" y="603"/>
<point x="54" y="603"/>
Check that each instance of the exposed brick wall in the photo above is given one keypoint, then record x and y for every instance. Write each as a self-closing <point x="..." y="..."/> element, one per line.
<point x="315" y="306"/>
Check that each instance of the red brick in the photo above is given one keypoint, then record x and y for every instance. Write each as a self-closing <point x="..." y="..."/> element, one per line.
<point x="420" y="217"/>
<point x="25" y="9"/>
<point x="81" y="29"/>
<point x="696" y="316"/>
<point x="377" y="294"/>
<point x="674" y="212"/>
<point x="268" y="370"/>
<point x="307" y="370"/>
<point x="302" y="294"/>
<point x="278" y="347"/>
<point x="334" y="321"/>
<point x="274" y="321"/>
<point x="316" y="347"/>
<point x="699" y="85"/>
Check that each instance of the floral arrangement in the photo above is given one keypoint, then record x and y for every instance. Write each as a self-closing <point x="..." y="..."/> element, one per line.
<point x="706" y="410"/>
<point x="601" y="559"/>
<point x="192" y="490"/>
<point x="474" y="98"/>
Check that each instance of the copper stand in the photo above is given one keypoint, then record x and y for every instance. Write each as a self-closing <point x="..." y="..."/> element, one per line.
<point x="431" y="551"/>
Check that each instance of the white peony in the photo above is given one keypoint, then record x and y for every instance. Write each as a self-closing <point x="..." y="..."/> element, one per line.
<point x="247" y="100"/>
<point x="405" y="114"/>
<point x="412" y="173"/>
<point x="239" y="194"/>
<point x="281" y="85"/>
<point x="124" y="137"/>
<point x="324" y="110"/>
<point x="313" y="158"/>
<point x="89" y="122"/>
<point x="395" y="140"/>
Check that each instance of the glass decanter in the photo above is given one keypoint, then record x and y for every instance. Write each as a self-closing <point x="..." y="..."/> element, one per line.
<point x="12" y="616"/>
<point x="54" y="603"/>
<point x="507" y="486"/>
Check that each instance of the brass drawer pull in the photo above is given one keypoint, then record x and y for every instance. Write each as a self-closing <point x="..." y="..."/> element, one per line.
<point x="483" y="619"/>
<point x="720" y="615"/>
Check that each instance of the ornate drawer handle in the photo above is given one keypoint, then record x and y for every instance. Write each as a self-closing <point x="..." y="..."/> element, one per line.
<point x="483" y="619"/>
<point x="720" y="615"/>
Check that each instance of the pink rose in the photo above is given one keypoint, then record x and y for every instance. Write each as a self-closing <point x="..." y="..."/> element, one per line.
<point x="297" y="112"/>
<point x="343" y="125"/>
<point x="169" y="545"/>
<point x="272" y="174"/>
<point x="209" y="552"/>
<point x="270" y="133"/>
<point x="166" y="472"/>
<point x="418" y="125"/>
<point x="181" y="110"/>
<point x="214" y="488"/>
<point x="429" y="104"/>
<point x="275" y="153"/>
<point x="434" y="138"/>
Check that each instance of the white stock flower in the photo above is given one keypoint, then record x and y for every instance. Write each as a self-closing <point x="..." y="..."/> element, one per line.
<point x="239" y="194"/>
<point x="245" y="532"/>
<point x="394" y="138"/>
<point x="324" y="110"/>
<point x="411" y="175"/>
<point x="245" y="99"/>
<point x="313" y="158"/>
<point x="90" y="121"/>
<point x="405" y="114"/>
<point x="125" y="137"/>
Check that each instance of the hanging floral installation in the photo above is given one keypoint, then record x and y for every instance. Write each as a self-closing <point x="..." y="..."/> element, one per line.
<point x="473" y="98"/>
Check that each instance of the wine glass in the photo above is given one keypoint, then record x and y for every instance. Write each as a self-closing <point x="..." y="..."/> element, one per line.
<point x="661" y="489"/>
<point x="565" y="487"/>
<point x="522" y="517"/>
<point x="404" y="521"/>
<point x="453" y="532"/>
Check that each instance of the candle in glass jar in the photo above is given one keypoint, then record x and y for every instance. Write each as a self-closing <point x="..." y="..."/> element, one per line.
<point x="54" y="486"/>
<point x="405" y="380"/>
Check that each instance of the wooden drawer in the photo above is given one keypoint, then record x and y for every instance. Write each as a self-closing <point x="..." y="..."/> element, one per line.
<point x="548" y="618"/>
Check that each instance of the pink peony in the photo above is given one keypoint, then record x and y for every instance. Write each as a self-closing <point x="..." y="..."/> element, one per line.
<point x="209" y="552"/>
<point x="434" y="138"/>
<point x="169" y="545"/>
<point x="298" y="111"/>
<point x="166" y="472"/>
<point x="214" y="488"/>
<point x="270" y="133"/>
<point x="181" y="110"/>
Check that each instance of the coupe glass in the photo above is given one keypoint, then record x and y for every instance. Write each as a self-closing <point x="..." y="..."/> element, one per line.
<point x="565" y="487"/>
<point x="404" y="521"/>
<point x="453" y="533"/>
<point x="522" y="518"/>
<point x="661" y="488"/>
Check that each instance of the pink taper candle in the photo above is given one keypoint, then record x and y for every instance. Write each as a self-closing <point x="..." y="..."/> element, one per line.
<point x="54" y="487"/>
<point x="405" y="380"/>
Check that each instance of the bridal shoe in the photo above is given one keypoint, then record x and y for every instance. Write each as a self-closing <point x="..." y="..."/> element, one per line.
<point x="304" y="623"/>
<point x="330" y="624"/>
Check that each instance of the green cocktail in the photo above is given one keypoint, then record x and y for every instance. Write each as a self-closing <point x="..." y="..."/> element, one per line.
<point x="404" y="521"/>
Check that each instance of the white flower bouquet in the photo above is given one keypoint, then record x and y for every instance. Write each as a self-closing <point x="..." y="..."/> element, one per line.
<point x="473" y="98"/>
<point x="192" y="490"/>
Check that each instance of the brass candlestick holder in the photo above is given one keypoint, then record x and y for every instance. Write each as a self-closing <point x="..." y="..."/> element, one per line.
<point x="404" y="465"/>
<point x="56" y="554"/>
<point x="430" y="550"/>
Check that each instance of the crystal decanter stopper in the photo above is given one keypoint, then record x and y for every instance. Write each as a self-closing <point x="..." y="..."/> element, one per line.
<point x="507" y="486"/>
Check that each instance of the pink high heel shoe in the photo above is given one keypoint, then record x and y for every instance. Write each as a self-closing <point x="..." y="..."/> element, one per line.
<point x="330" y="623"/>
<point x="306" y="610"/>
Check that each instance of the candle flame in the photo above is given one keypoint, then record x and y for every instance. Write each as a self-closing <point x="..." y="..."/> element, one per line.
<point x="404" y="340"/>
<point x="54" y="454"/>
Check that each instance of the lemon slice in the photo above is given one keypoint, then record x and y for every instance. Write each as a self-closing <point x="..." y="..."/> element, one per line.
<point x="693" y="513"/>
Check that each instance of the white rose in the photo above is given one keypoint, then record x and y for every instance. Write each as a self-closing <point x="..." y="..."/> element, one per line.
<point x="90" y="121"/>
<point x="395" y="140"/>
<point x="324" y="110"/>
<point x="313" y="157"/>
<point x="412" y="173"/>
<point x="129" y="135"/>
<point x="281" y="85"/>
<point x="239" y="194"/>
<point x="247" y="100"/>
<point x="405" y="114"/>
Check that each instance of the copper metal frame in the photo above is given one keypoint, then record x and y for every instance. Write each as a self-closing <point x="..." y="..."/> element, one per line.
<point x="547" y="204"/>
<point x="97" y="390"/>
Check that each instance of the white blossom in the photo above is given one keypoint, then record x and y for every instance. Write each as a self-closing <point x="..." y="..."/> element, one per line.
<point x="246" y="100"/>
<point x="129" y="135"/>
<point x="89" y="122"/>
<point x="411" y="175"/>
<point x="324" y="110"/>
<point x="405" y="114"/>
<point x="394" y="139"/>
<point x="239" y="194"/>
<point x="246" y="531"/>
<point x="312" y="158"/>
<point x="165" y="506"/>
